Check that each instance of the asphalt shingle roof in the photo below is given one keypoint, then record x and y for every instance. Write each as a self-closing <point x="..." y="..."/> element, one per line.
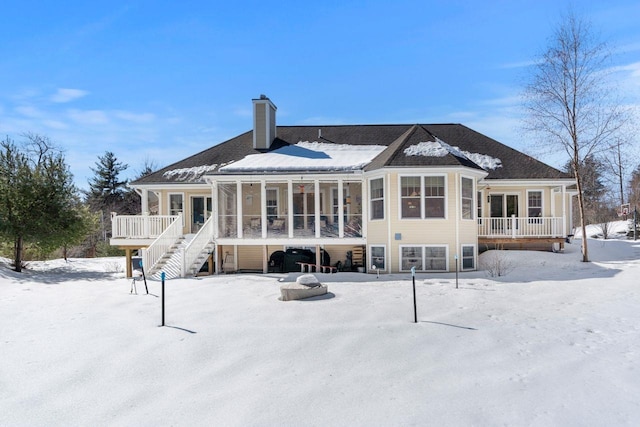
<point x="398" y="138"/>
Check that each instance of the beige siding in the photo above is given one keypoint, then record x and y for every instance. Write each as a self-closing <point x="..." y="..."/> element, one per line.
<point x="394" y="232"/>
<point x="203" y="191"/>
<point x="250" y="257"/>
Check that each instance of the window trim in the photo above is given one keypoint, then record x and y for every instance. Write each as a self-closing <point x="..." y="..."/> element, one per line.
<point x="474" y="257"/>
<point x="384" y="257"/>
<point x="541" y="201"/>
<point x="277" y="206"/>
<point x="423" y="196"/>
<point x="372" y="199"/>
<point x="182" y="210"/>
<point x="424" y="257"/>
<point x="462" y="198"/>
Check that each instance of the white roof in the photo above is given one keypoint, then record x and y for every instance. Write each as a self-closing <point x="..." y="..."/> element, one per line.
<point x="308" y="156"/>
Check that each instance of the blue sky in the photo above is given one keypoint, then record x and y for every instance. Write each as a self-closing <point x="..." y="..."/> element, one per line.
<point x="157" y="81"/>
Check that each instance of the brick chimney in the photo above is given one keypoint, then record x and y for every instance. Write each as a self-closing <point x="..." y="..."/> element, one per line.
<point x="264" y="123"/>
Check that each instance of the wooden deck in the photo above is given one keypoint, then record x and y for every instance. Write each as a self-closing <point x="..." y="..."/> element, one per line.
<point x="522" y="243"/>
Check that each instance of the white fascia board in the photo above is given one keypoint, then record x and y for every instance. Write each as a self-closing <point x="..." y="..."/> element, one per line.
<point x="526" y="182"/>
<point x="355" y="176"/>
<point x="172" y="186"/>
<point x="437" y="170"/>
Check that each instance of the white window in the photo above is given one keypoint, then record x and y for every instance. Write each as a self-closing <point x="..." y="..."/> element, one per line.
<point x="434" y="196"/>
<point x="377" y="198"/>
<point x="534" y="203"/>
<point x="423" y="258"/>
<point x="176" y="205"/>
<point x="410" y="197"/>
<point x="468" y="257"/>
<point x="436" y="258"/>
<point x="410" y="256"/>
<point x="377" y="257"/>
<point x="272" y="204"/>
<point x="422" y="196"/>
<point x="479" y="204"/>
<point x="467" y="198"/>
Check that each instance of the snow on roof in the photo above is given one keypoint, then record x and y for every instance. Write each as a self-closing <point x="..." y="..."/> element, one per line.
<point x="309" y="156"/>
<point x="189" y="174"/>
<point x="439" y="148"/>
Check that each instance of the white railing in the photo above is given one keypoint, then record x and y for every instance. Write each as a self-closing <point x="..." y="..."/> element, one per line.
<point x="162" y="244"/>
<point x="193" y="250"/>
<point x="140" y="226"/>
<point x="515" y="227"/>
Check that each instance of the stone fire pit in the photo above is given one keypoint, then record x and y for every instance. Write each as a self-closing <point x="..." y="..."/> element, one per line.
<point x="306" y="286"/>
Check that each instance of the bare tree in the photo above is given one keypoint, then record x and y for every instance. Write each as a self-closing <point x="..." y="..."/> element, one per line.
<point x="569" y="101"/>
<point x="618" y="163"/>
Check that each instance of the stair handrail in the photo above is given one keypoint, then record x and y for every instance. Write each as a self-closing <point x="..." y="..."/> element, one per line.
<point x="192" y="251"/>
<point x="152" y="254"/>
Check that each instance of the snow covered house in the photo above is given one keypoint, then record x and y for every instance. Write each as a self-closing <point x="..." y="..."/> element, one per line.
<point x="371" y="197"/>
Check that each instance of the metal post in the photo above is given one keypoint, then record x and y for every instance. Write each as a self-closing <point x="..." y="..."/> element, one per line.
<point x="635" y="222"/>
<point x="162" y="276"/>
<point x="415" y="309"/>
<point x="456" y="257"/>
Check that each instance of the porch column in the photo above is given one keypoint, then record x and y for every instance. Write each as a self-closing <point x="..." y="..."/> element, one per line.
<point x="214" y="210"/>
<point x="265" y="259"/>
<point x="239" y="208"/>
<point x="127" y="255"/>
<point x="340" y="208"/>
<point x="144" y="206"/>
<point x="263" y="211"/>
<point x="364" y="196"/>
<point x="316" y="207"/>
<point x="318" y="257"/>
<point x="290" y="207"/>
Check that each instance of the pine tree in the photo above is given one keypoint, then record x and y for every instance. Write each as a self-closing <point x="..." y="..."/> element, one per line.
<point x="106" y="190"/>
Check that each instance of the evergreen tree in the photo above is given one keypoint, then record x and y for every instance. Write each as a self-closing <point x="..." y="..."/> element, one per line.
<point x="38" y="201"/>
<point x="106" y="190"/>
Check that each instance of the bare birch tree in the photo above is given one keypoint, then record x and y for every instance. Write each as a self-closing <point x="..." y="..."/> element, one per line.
<point x="568" y="100"/>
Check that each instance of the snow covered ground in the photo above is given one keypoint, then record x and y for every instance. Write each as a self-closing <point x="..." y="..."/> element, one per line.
<point x="554" y="342"/>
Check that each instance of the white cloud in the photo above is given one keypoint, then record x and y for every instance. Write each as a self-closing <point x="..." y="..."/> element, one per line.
<point x="55" y="124"/>
<point x="66" y="95"/>
<point x="29" y="111"/>
<point x="243" y="112"/>
<point x="88" y="117"/>
<point x="135" y="117"/>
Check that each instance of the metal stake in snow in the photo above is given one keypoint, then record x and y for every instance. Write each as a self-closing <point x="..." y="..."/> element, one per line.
<point x="415" y="308"/>
<point x="456" y="258"/>
<point x="162" y="276"/>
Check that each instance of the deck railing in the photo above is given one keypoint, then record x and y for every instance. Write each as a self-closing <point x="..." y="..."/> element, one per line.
<point x="193" y="250"/>
<point x="162" y="244"/>
<point x="140" y="226"/>
<point x="516" y="227"/>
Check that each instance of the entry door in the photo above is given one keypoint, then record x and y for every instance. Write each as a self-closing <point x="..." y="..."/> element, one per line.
<point x="503" y="206"/>
<point x="200" y="211"/>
